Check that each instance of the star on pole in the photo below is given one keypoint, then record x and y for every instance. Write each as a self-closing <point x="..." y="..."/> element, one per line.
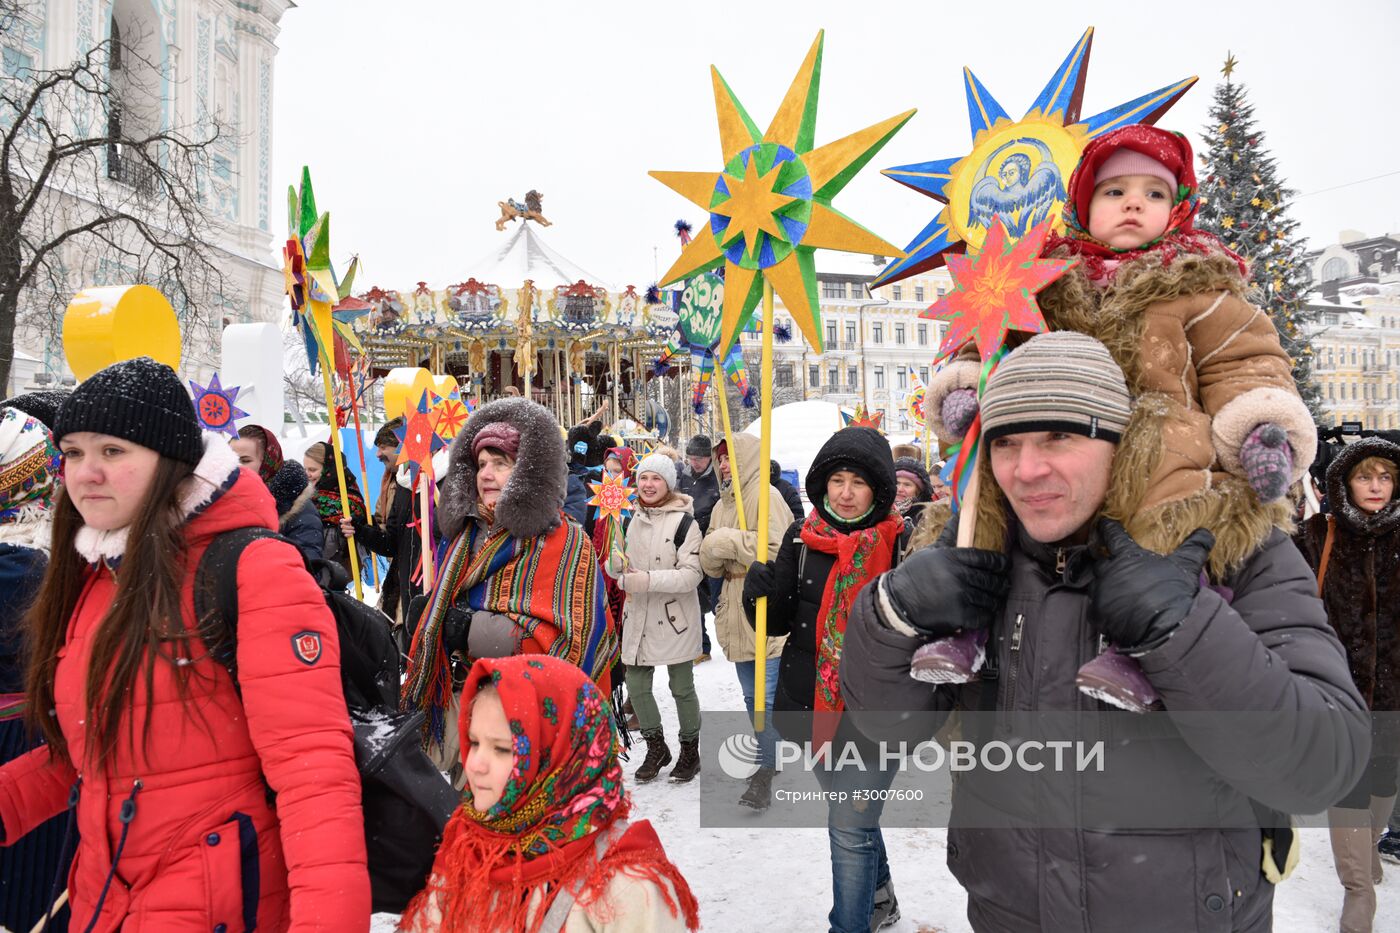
<point x="1230" y="63"/>
<point x="994" y="291"/>
<point x="770" y="207"/>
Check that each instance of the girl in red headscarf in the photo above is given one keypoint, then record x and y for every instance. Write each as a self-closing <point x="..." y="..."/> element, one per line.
<point x="541" y="842"/>
<point x="1219" y="432"/>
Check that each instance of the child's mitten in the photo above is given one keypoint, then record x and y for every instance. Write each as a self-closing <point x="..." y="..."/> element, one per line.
<point x="959" y="408"/>
<point x="1267" y="461"/>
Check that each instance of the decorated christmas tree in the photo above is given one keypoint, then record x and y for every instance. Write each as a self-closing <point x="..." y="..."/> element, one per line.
<point x="1245" y="203"/>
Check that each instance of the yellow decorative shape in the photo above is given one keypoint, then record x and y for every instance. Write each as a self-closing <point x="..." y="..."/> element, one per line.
<point x="403" y="387"/>
<point x="107" y="324"/>
<point x="751" y="205"/>
<point x="443" y="385"/>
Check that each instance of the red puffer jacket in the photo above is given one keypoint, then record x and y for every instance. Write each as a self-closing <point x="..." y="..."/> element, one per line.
<point x="205" y="850"/>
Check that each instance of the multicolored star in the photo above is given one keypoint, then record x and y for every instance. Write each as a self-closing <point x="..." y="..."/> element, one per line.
<point x="770" y="208"/>
<point x="215" y="408"/>
<point x="994" y="291"/>
<point x="861" y="418"/>
<point x="613" y="496"/>
<point x="1018" y="169"/>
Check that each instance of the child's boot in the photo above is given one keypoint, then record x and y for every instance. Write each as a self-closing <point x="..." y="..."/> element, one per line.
<point x="952" y="660"/>
<point x="1118" y="680"/>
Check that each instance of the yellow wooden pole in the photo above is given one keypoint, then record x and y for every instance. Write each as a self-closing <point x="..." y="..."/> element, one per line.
<point x="765" y="450"/>
<point x="718" y="381"/>
<point x="321" y="312"/>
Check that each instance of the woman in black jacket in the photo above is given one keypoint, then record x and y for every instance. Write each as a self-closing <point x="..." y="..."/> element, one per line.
<point x="1355" y="552"/>
<point x="849" y="539"/>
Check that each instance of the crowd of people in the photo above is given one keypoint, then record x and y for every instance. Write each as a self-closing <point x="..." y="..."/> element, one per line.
<point x="1134" y="548"/>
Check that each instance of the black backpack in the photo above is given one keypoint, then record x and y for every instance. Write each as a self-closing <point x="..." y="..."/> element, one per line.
<point x="406" y="800"/>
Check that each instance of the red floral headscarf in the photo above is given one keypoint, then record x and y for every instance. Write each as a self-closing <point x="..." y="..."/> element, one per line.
<point x="539" y="838"/>
<point x="272" y="450"/>
<point x="624" y="455"/>
<point x="1172" y="150"/>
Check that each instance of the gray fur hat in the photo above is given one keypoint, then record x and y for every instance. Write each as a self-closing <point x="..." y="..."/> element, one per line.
<point x="533" y="496"/>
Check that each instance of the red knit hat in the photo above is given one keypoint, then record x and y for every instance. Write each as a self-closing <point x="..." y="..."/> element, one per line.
<point x="501" y="435"/>
<point x="1170" y="149"/>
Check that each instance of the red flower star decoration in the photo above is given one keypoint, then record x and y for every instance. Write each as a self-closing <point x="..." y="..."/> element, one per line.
<point x="417" y="440"/>
<point x="863" y="419"/>
<point x="449" y="415"/>
<point x="994" y="291"/>
<point x="612" y="497"/>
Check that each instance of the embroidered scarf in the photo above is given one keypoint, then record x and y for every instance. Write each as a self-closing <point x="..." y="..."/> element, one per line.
<point x="549" y="586"/>
<point x="327" y="497"/>
<point x="501" y="868"/>
<point x="272" y="450"/>
<point x="1101" y="261"/>
<point x="861" y="556"/>
<point x="29" y="469"/>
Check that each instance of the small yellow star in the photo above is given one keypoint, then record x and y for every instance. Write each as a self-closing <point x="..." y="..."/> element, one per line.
<point x="1255" y="201"/>
<point x="1230" y="63"/>
<point x="1227" y="223"/>
<point x="751" y="205"/>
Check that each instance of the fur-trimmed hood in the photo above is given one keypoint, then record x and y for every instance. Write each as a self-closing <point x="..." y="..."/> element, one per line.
<point x="1338" y="495"/>
<point x="531" y="501"/>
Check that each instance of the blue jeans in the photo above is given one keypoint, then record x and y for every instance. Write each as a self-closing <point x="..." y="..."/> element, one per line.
<point x="858" y="864"/>
<point x="768" y="738"/>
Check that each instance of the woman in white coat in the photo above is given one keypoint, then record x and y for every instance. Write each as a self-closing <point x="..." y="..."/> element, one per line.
<point x="661" y="622"/>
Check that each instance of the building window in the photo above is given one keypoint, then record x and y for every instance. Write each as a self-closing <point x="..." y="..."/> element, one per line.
<point x="942" y="291"/>
<point x="1353" y="356"/>
<point x="918" y="293"/>
<point x="1331" y="392"/>
<point x="897" y="292"/>
<point x="833" y="289"/>
<point x="16" y="61"/>
<point x="923" y="374"/>
<point x="850" y="334"/>
<point x="852" y="377"/>
<point x="782" y="376"/>
<point x="902" y="378"/>
<point x="879" y="377"/>
<point x="1334" y="268"/>
<point x="877" y="333"/>
<point x="814" y="375"/>
<point x="832" y="377"/>
<point x="921" y="332"/>
<point x="830" y="333"/>
<point x="899" y="335"/>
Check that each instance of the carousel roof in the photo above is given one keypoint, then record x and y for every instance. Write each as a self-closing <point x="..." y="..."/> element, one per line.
<point x="527" y="256"/>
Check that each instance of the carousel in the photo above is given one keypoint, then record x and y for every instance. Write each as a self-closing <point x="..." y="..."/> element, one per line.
<point x="528" y="321"/>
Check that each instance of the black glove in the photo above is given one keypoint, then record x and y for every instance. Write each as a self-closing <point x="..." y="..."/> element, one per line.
<point x="1139" y="597"/>
<point x="758" y="581"/>
<point x="455" y="629"/>
<point x="941" y="590"/>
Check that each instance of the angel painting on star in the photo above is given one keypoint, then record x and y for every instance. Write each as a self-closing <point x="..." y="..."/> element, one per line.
<point x="1022" y="196"/>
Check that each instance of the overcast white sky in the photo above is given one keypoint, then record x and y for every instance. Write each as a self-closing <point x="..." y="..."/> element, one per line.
<point x="417" y="116"/>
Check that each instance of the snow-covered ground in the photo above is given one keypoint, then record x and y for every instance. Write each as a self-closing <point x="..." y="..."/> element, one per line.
<point x="779" y="880"/>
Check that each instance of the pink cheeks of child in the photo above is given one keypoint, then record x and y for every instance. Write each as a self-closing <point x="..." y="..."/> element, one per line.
<point x="1129" y="211"/>
<point x="490" y="753"/>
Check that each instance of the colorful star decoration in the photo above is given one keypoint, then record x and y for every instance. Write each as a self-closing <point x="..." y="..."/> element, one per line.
<point x="863" y="419"/>
<point x="613" y="497"/>
<point x="994" y="291"/>
<point x="310" y="281"/>
<point x="215" y="408"/>
<point x="1016" y="169"/>
<point x="914" y="401"/>
<point x="770" y="208"/>
<point x="449" y="415"/>
<point x="417" y="439"/>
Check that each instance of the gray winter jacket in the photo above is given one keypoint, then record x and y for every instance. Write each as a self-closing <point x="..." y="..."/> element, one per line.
<point x="1260" y="643"/>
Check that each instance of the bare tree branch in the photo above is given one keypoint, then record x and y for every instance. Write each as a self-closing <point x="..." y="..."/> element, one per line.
<point x="95" y="188"/>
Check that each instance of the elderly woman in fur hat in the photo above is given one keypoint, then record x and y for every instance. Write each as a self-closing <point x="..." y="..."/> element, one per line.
<point x="516" y="577"/>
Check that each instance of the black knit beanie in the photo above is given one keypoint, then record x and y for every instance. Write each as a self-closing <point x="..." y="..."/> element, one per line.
<point x="138" y="400"/>
<point x="42" y="406"/>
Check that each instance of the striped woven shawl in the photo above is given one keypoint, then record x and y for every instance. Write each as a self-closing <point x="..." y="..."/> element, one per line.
<point x="549" y="586"/>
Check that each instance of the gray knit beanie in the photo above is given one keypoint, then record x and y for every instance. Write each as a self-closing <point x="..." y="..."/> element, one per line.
<point x="1060" y="381"/>
<point x="660" y="464"/>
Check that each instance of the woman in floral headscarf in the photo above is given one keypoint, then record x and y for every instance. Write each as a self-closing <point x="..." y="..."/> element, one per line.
<point x="28" y="480"/>
<point x="541" y="842"/>
<point x="321" y="467"/>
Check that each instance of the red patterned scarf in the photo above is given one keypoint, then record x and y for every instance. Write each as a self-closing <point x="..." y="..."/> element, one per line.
<point x="861" y="556"/>
<point x="500" y="869"/>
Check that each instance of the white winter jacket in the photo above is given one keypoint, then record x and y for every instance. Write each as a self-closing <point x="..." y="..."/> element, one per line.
<point x="661" y="622"/>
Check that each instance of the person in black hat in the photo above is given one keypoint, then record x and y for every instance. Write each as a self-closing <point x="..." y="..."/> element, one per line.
<point x="850" y="538"/>
<point x="127" y="691"/>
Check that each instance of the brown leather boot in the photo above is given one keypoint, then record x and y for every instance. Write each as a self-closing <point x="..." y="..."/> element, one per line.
<point x="688" y="764"/>
<point x="658" y="757"/>
<point x="1380" y="816"/>
<point x="1350" y="832"/>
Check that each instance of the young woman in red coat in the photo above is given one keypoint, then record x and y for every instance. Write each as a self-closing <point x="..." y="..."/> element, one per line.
<point x="196" y="807"/>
